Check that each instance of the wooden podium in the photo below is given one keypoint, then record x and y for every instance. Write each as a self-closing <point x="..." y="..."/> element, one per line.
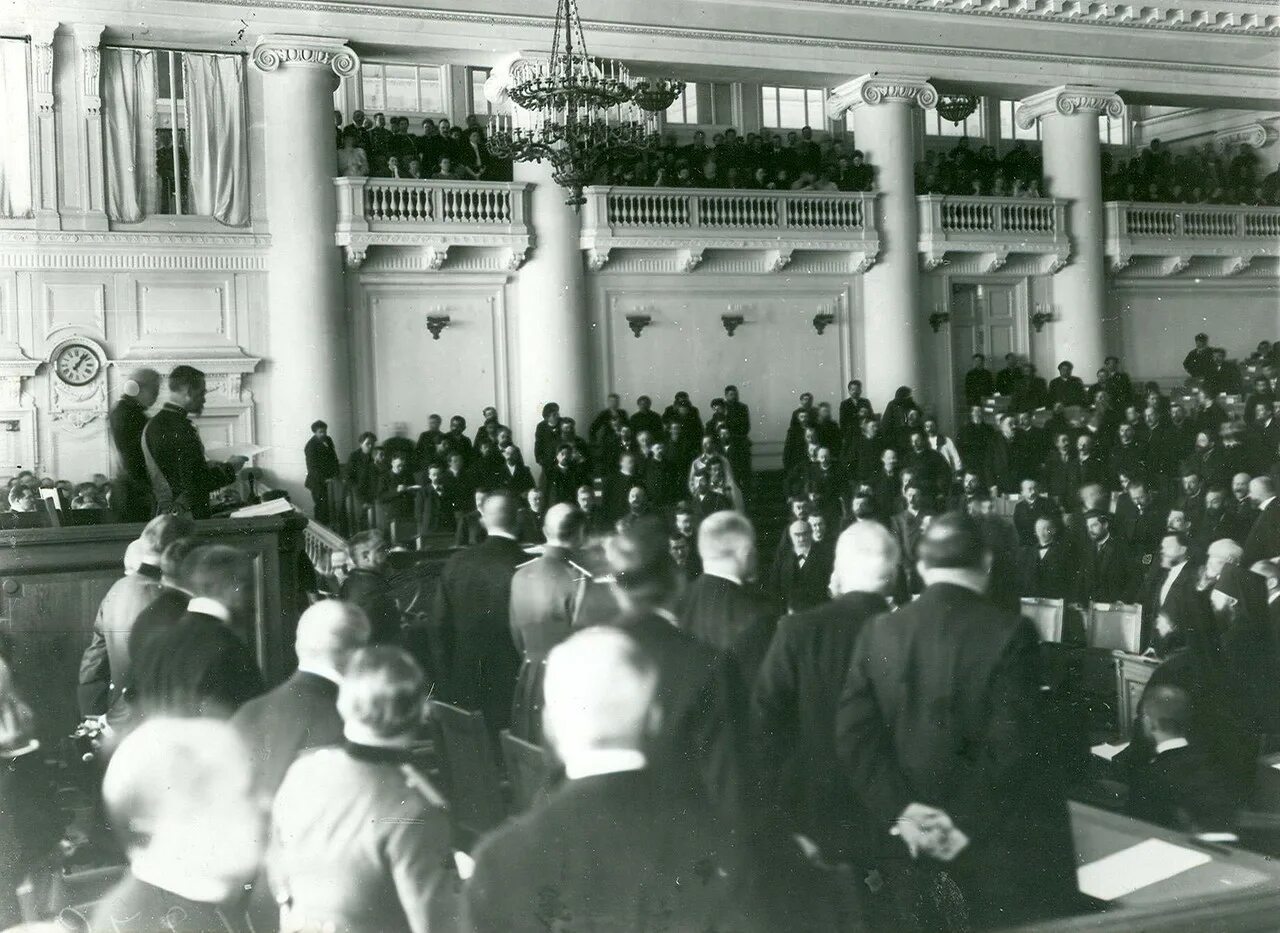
<point x="52" y="580"/>
<point x="1132" y="673"/>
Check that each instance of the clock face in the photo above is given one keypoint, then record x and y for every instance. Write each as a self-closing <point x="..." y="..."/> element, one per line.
<point x="76" y="364"/>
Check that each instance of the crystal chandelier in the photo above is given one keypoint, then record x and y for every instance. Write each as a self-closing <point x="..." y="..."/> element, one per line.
<point x="956" y="108"/>
<point x="575" y="111"/>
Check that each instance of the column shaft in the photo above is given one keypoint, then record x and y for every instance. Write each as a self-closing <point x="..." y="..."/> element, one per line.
<point x="891" y="288"/>
<point x="309" y="366"/>
<point x="554" y="348"/>
<point x="1072" y="171"/>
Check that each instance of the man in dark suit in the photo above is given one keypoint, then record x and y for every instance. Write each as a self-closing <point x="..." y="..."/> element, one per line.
<point x="1172" y="605"/>
<point x="131" y="487"/>
<point x="737" y="416"/>
<point x="471" y="529"/>
<point x="1181" y="785"/>
<point x="1263" y="542"/>
<point x="669" y="854"/>
<point x="1139" y="522"/>
<point x="942" y="731"/>
<point x="979" y="383"/>
<point x="1030" y="508"/>
<point x="181" y="478"/>
<point x="1199" y="361"/>
<point x="1106" y="568"/>
<point x="1067" y="389"/>
<point x="852" y="410"/>
<point x="302" y="712"/>
<point x="435" y="502"/>
<point x="513" y="475"/>
<point x="974" y="440"/>
<point x="706" y="501"/>
<point x="721" y="608"/>
<point x="797" y="694"/>
<point x="322" y="466"/>
<point x="530" y="517"/>
<point x="908" y="526"/>
<point x="201" y="665"/>
<point x="366" y="586"/>
<point x="801" y="573"/>
<point x="474" y="659"/>
<point x="1048" y="566"/>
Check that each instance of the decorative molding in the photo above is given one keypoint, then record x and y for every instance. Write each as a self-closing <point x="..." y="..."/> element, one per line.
<point x="42" y="65"/>
<point x="775" y="260"/>
<point x="272" y="52"/>
<point x="77" y="407"/>
<point x="860" y="262"/>
<point x="1256" y="134"/>
<point x="1067" y="100"/>
<point x="993" y="261"/>
<point x="1172" y="265"/>
<point x="434" y="256"/>
<point x="89" y="42"/>
<point x="689" y="259"/>
<point x="15" y="366"/>
<point x="355" y="254"/>
<point x="514" y="259"/>
<point x="1121" y="261"/>
<point x="112" y="251"/>
<point x="1082" y="14"/>
<point x="598" y="257"/>
<point x="874" y="89"/>
<point x="1237" y="264"/>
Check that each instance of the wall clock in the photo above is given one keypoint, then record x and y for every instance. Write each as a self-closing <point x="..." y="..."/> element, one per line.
<point x="77" y="364"/>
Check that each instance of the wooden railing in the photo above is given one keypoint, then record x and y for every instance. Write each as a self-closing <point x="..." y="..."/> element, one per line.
<point x="716" y="210"/>
<point x="1021" y="216"/>
<point x="320" y="544"/>
<point x="1192" y="221"/>
<point x="384" y="203"/>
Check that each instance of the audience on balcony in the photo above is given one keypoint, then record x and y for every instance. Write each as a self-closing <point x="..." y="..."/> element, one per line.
<point x="1204" y="175"/>
<point x="962" y="170"/>
<point x="441" y="150"/>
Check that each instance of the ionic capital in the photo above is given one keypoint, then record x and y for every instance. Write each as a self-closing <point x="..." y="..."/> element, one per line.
<point x="1067" y="100"/>
<point x="273" y="52"/>
<point x="874" y="89"/>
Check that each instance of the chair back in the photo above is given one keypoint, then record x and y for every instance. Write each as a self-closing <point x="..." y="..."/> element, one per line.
<point x="1114" y="627"/>
<point x="475" y="783"/>
<point x="527" y="768"/>
<point x="1046" y="615"/>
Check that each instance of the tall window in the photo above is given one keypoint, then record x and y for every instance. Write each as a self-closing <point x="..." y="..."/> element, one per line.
<point x="1114" y="131"/>
<point x="685" y="107"/>
<point x="171" y="160"/>
<point x="402" y="89"/>
<point x="15" y="141"/>
<point x="476" y="77"/>
<point x="1009" y="128"/>
<point x="936" y="125"/>
<point x="792" y="107"/>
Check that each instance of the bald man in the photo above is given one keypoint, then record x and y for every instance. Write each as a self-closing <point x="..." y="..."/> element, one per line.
<point x="302" y="712"/>
<point x="797" y="694"/>
<point x="474" y="658"/>
<point x="723" y="607"/>
<point x="131" y="488"/>
<point x="546" y="594"/>
<point x="628" y="848"/>
<point x="801" y="573"/>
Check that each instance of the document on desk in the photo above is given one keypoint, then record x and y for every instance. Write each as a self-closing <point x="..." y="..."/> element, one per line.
<point x="1137" y="867"/>
<point x="222" y="454"/>
<point x="1108" y="752"/>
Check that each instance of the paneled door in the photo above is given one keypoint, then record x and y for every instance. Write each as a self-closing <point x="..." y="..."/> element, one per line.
<point x="983" y="320"/>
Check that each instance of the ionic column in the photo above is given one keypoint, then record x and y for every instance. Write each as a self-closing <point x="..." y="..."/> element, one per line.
<point x="553" y="325"/>
<point x="309" y="365"/>
<point x="883" y="107"/>
<point x="1068" y="118"/>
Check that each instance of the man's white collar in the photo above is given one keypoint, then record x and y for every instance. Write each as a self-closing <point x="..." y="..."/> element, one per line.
<point x="597" y="761"/>
<point x="210" y="607"/>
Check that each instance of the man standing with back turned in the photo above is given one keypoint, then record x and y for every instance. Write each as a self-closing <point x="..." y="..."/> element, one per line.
<point x="942" y="729"/>
<point x="131" y="486"/>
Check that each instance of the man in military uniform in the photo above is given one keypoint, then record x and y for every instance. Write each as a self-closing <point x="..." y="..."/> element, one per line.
<point x="181" y="478"/>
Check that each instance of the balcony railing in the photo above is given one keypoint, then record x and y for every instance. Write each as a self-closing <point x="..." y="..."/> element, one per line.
<point x="432" y="214"/>
<point x="1179" y="234"/>
<point x="993" y="226"/>
<point x="691" y="220"/>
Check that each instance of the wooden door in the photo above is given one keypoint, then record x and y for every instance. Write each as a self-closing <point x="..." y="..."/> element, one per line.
<point x="983" y="320"/>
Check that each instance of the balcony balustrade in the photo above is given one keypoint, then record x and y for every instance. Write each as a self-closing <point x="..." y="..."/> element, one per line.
<point x="994" y="229"/>
<point x="1221" y="239"/>
<point x="689" y="221"/>
<point x="432" y="215"/>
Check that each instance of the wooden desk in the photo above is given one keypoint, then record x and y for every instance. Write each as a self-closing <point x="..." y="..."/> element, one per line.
<point x="1132" y="674"/>
<point x="52" y="580"/>
<point x="1236" y="891"/>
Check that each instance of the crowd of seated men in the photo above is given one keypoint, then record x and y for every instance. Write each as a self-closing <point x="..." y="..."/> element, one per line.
<point x="370" y="147"/>
<point x="962" y="170"/>
<point x="740" y="718"/>
<point x="1206" y="175"/>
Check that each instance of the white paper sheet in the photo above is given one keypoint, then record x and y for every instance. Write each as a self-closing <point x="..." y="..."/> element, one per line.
<point x="1137" y="867"/>
<point x="223" y="454"/>
<point x="270" y="507"/>
<point x="1108" y="752"/>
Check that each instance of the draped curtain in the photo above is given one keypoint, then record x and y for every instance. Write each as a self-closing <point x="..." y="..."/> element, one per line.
<point x="15" y="130"/>
<point x="216" y="146"/>
<point x="129" y="132"/>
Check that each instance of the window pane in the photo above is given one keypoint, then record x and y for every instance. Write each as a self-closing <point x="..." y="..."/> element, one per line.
<point x="684" y="109"/>
<point x="402" y="87"/>
<point x="791" y="112"/>
<point x="817" y="119"/>
<point x="430" y="95"/>
<point x="479" y="104"/>
<point x="769" y="106"/>
<point x="371" y="94"/>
